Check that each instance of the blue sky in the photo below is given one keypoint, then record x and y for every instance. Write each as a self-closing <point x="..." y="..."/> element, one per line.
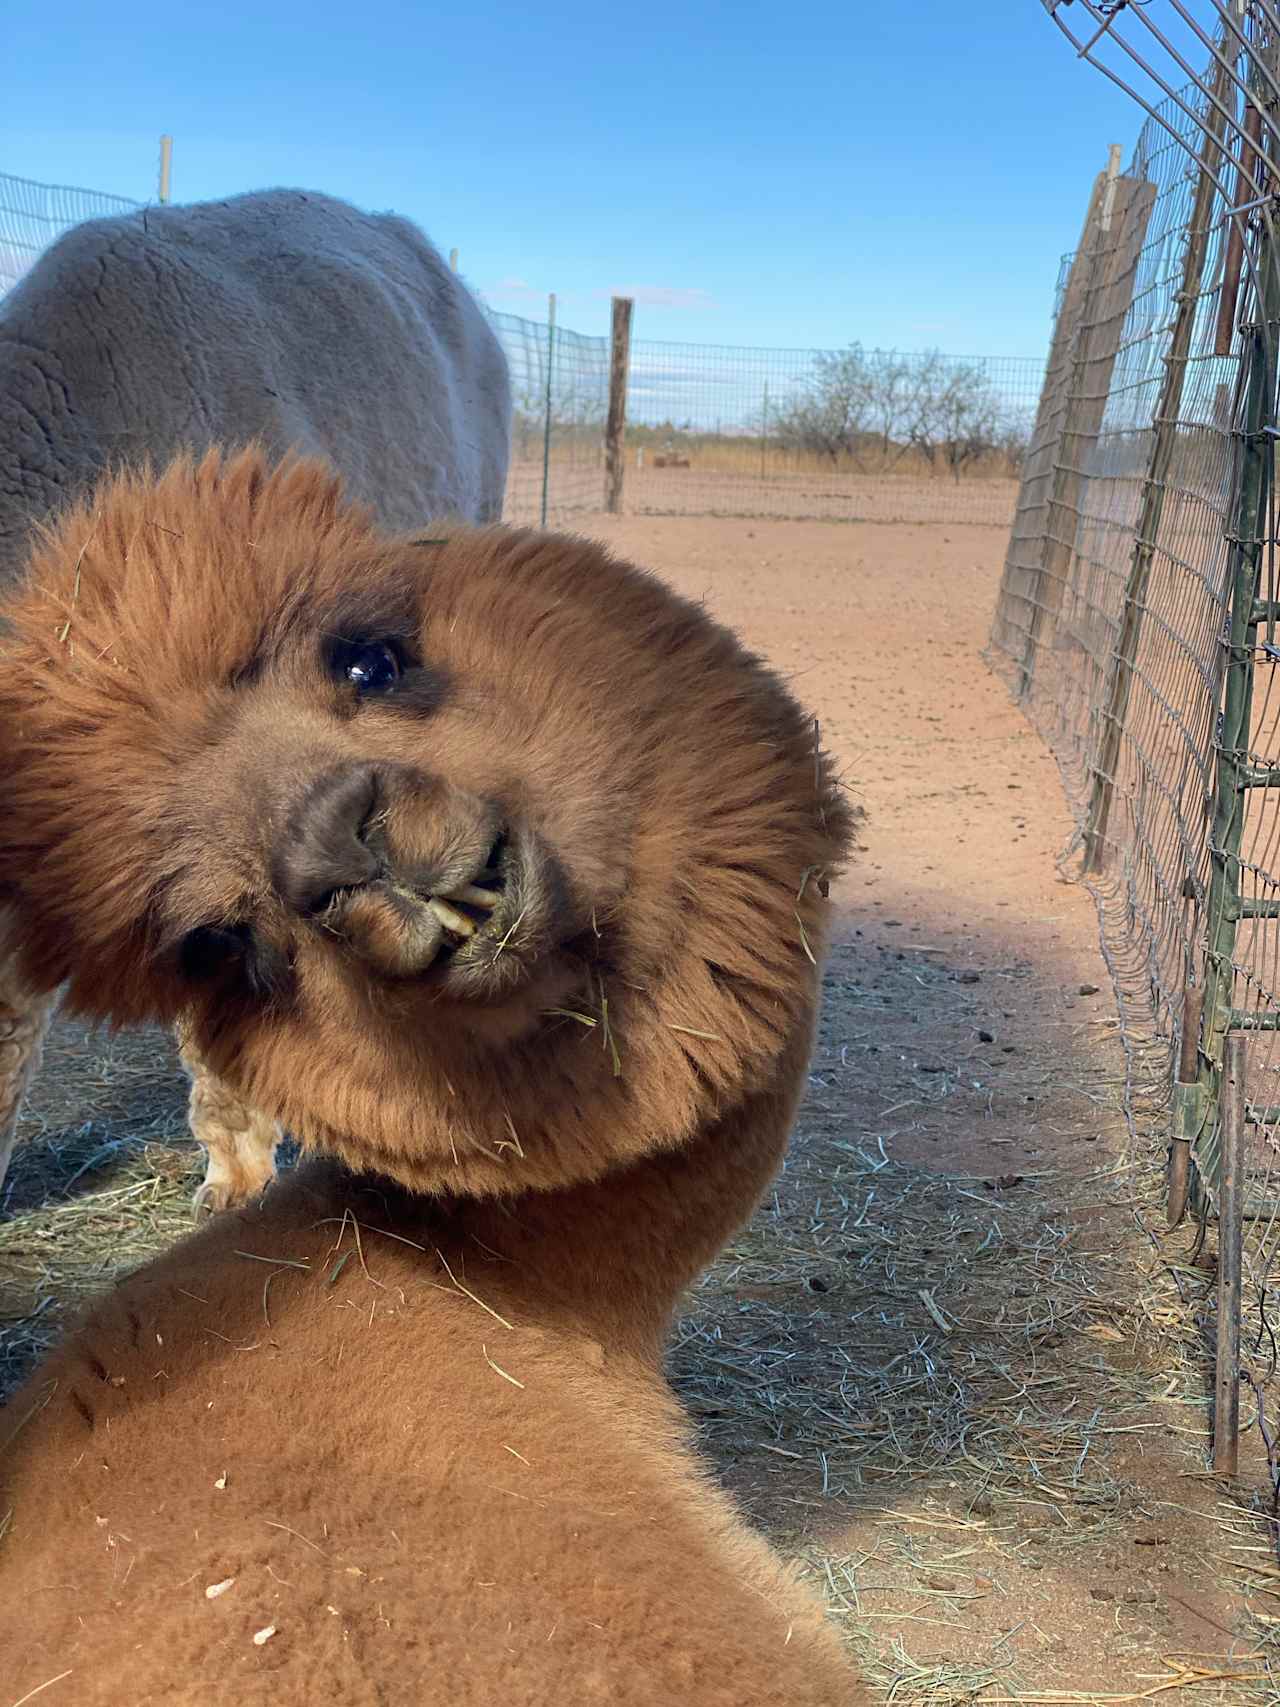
<point x="902" y="174"/>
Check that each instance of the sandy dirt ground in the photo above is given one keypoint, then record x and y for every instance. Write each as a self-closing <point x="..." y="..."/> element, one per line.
<point x="951" y="1367"/>
<point x="705" y="491"/>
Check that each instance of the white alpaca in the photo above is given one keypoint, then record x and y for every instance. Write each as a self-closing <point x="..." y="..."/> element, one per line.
<point x="284" y="317"/>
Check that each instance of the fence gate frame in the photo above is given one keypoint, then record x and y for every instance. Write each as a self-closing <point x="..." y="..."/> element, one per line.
<point x="1235" y="149"/>
<point x="1210" y="1109"/>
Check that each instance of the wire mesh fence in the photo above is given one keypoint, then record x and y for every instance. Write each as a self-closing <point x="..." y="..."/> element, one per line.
<point x="1091" y="483"/>
<point x="32" y="215"/>
<point x="560" y="395"/>
<point x="841" y="435"/>
<point x="836" y="435"/>
<point x="1138" y="610"/>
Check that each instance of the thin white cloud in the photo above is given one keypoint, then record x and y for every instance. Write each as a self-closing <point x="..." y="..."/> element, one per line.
<point x="665" y="296"/>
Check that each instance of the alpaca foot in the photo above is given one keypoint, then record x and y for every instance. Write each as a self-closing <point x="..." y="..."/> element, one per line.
<point x="241" y="1166"/>
<point x="240" y="1140"/>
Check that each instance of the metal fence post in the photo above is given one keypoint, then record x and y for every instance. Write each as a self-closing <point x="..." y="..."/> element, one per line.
<point x="1226" y="1385"/>
<point x="1188" y="1105"/>
<point x="1249" y="167"/>
<point x="546" y="429"/>
<point x="1235" y="773"/>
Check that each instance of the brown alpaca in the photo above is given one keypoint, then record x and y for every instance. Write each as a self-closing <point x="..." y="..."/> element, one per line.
<point x="490" y="866"/>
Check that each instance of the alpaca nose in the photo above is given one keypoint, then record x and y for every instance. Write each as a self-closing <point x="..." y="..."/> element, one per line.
<point x="323" y="849"/>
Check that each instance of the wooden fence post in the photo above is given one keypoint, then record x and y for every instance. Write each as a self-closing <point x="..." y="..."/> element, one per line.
<point x="1120" y="670"/>
<point x="616" y="424"/>
<point x="1064" y="359"/>
<point x="1102" y="280"/>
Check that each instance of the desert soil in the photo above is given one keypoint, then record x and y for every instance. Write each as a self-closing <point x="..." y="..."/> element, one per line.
<point x="954" y="1368"/>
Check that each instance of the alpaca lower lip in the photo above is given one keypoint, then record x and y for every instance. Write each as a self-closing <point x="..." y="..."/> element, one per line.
<point x="475" y="938"/>
<point x="482" y="925"/>
<point x="519" y="923"/>
<point x="470" y="908"/>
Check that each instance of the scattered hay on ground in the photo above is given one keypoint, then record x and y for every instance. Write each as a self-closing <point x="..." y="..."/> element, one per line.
<point x="929" y="1387"/>
<point x="939" y="1390"/>
<point x="88" y="1200"/>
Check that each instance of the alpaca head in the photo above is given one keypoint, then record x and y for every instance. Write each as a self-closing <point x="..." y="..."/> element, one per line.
<point x="478" y="857"/>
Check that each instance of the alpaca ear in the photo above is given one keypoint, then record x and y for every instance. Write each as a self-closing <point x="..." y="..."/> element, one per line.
<point x="10" y="900"/>
<point x="10" y="864"/>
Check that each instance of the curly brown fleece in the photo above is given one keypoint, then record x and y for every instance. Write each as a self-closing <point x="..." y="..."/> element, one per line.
<point x="167" y="708"/>
<point x="418" y="1445"/>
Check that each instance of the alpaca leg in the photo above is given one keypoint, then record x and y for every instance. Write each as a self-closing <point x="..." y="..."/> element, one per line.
<point x="240" y="1141"/>
<point x="24" y="1021"/>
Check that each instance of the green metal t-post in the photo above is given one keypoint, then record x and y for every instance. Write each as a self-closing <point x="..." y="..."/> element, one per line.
<point x="1236" y="775"/>
<point x="546" y="428"/>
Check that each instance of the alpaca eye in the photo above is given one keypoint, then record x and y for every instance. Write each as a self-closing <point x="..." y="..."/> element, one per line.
<point x="213" y="953"/>
<point x="209" y="950"/>
<point x="371" y="666"/>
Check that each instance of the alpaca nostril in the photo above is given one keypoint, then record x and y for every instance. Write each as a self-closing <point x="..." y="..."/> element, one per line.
<point x="323" y="850"/>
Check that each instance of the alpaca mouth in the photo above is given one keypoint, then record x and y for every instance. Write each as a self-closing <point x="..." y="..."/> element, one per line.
<point x="472" y="908"/>
<point x="475" y="938"/>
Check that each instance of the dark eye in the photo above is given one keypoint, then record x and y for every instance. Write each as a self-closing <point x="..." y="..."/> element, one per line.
<point x="209" y="950"/>
<point x="211" y="953"/>
<point x="371" y="666"/>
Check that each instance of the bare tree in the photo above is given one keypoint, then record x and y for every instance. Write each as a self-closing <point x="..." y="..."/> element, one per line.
<point x="831" y="413"/>
<point x="1014" y="441"/>
<point x="854" y="400"/>
<point x="890" y="390"/>
<point x="954" y="415"/>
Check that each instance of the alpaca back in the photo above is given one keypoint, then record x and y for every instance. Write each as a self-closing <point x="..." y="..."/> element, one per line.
<point x="318" y="1461"/>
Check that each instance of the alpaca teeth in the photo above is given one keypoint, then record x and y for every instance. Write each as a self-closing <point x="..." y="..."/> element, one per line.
<point x="451" y="918"/>
<point x="482" y="898"/>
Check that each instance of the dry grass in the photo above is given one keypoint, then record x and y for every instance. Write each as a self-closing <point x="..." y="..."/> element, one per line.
<point x="814" y="1339"/>
<point x="745" y="457"/>
<point x="89" y="1199"/>
<point x="887" y="1394"/>
<point x="735" y="485"/>
<point x="969" y="1366"/>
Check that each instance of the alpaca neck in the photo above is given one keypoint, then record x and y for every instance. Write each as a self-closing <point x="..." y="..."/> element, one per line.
<point x="609" y="1260"/>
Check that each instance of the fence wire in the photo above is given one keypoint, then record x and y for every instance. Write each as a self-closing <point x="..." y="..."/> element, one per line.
<point x="1137" y="618"/>
<point x="32" y="215"/>
<point x="1090" y="482"/>
<point x="560" y="393"/>
<point x="839" y="435"/>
